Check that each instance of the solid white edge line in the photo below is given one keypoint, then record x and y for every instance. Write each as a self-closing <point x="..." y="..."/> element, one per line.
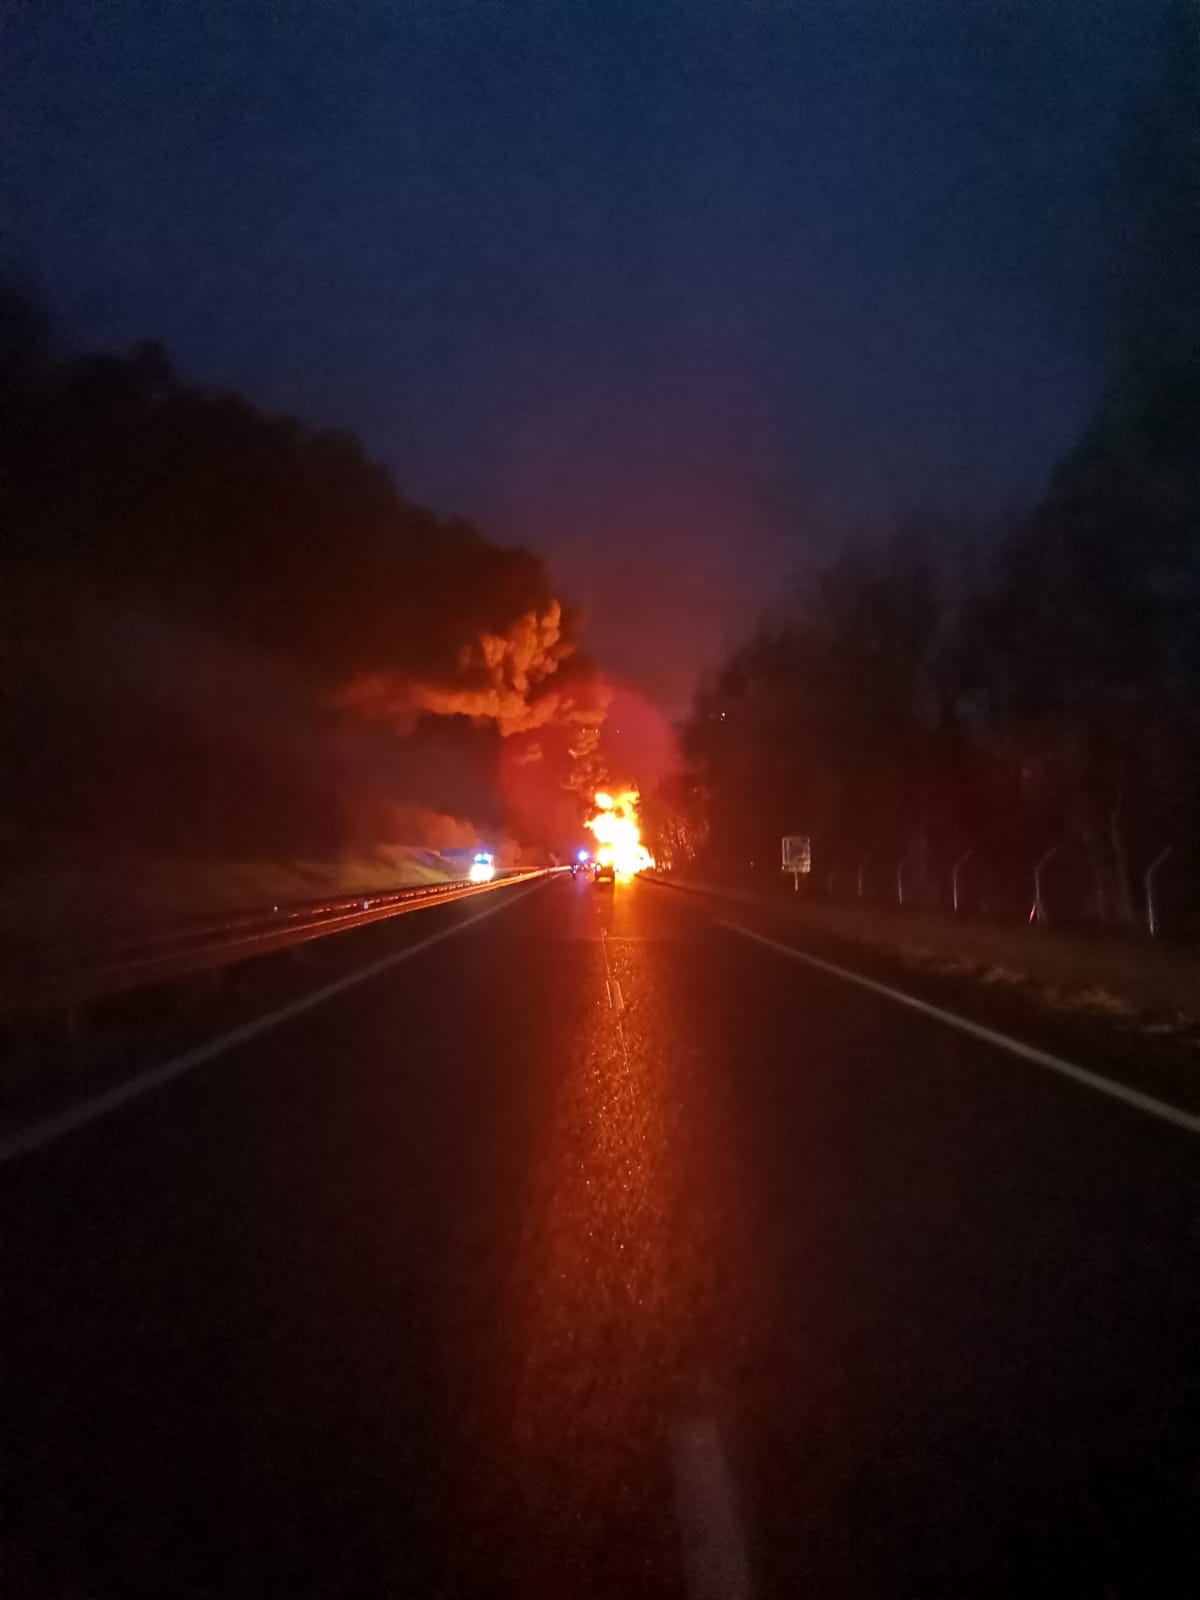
<point x="26" y="1141"/>
<point x="714" y="1552"/>
<point x="1002" y="1041"/>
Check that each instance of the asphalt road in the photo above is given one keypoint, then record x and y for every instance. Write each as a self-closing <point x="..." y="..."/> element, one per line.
<point x="597" y="1250"/>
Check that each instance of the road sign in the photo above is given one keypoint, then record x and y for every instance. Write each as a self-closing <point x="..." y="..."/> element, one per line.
<point x="797" y="854"/>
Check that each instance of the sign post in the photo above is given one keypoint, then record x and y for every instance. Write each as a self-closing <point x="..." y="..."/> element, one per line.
<point x="797" y="856"/>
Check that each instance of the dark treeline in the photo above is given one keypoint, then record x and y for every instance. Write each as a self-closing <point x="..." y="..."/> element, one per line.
<point x="228" y="634"/>
<point x="907" y="706"/>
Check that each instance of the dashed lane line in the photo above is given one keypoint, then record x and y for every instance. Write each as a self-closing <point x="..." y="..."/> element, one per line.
<point x="714" y="1551"/>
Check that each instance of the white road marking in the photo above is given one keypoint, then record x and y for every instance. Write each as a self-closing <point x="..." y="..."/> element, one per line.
<point x="714" y="1552"/>
<point x="40" y="1134"/>
<point x="1001" y="1041"/>
<point x="615" y="998"/>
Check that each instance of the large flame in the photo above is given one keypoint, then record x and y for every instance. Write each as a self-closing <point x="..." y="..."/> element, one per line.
<point x="616" y="829"/>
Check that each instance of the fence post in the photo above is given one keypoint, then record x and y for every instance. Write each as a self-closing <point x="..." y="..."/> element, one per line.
<point x="862" y="867"/>
<point x="958" y="865"/>
<point x="1151" y="915"/>
<point x="900" y="866"/>
<point x="1037" y="912"/>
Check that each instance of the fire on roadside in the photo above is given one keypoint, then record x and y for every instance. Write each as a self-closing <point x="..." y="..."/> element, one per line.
<point x="615" y="827"/>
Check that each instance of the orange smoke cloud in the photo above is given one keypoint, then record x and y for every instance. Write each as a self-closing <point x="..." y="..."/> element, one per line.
<point x="512" y="679"/>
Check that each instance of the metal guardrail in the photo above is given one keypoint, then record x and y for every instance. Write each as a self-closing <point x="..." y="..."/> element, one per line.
<point x="62" y="979"/>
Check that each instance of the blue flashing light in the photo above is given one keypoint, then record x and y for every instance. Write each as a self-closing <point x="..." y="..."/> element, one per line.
<point x="583" y="855"/>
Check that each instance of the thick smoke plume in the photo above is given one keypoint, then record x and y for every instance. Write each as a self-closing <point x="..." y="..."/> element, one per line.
<point x="519" y="680"/>
<point x="230" y="634"/>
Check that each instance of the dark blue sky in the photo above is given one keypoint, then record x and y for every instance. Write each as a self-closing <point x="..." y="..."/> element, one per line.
<point x="673" y="292"/>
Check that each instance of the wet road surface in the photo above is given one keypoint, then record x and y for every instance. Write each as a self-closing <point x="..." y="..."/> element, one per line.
<point x="596" y="1250"/>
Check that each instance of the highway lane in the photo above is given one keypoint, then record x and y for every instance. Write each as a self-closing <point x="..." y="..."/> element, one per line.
<point x="597" y="1250"/>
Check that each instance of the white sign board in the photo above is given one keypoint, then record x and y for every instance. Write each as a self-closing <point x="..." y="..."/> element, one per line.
<point x="797" y="853"/>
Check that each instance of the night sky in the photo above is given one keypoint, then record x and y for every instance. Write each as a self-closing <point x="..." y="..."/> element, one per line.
<point x="675" y="293"/>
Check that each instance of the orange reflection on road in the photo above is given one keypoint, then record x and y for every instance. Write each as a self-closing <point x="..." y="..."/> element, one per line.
<point x="604" y="1304"/>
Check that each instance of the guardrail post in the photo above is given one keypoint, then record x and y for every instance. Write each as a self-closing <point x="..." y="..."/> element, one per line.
<point x="954" y="872"/>
<point x="1151" y="914"/>
<point x="1037" y="912"/>
<point x="900" y="866"/>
